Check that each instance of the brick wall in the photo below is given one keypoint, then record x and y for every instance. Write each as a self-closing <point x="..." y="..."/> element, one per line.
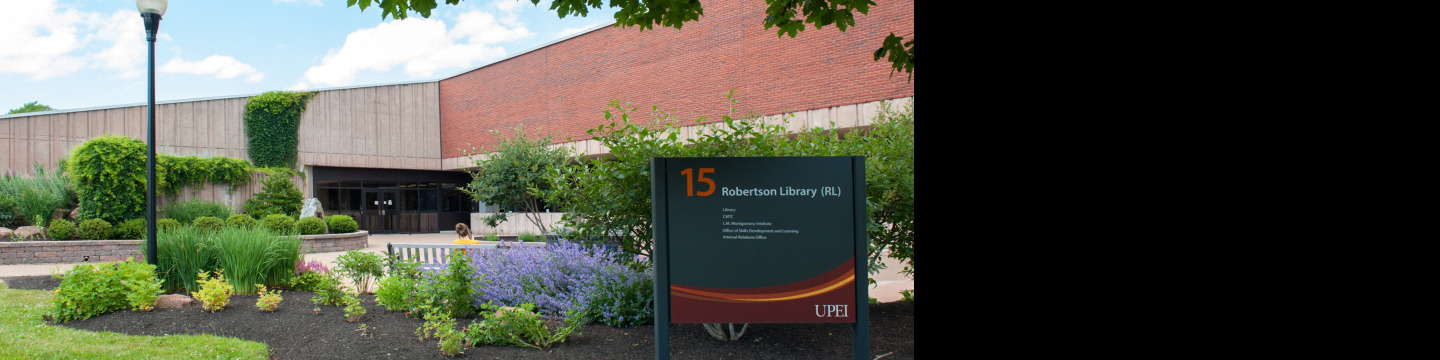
<point x="564" y="88"/>
<point x="51" y="252"/>
<point x="47" y="252"/>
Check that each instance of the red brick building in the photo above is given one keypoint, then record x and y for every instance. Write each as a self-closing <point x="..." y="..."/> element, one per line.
<point x="399" y="148"/>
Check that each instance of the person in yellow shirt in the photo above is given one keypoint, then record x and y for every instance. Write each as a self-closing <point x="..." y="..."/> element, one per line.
<point x="464" y="232"/>
<point x="465" y="238"/>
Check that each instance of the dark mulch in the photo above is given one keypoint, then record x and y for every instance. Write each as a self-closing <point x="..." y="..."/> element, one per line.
<point x="294" y="331"/>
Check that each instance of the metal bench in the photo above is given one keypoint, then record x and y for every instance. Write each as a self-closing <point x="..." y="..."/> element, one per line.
<point x="430" y="256"/>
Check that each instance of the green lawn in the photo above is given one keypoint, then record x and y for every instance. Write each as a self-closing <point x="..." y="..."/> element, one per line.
<point x="26" y="336"/>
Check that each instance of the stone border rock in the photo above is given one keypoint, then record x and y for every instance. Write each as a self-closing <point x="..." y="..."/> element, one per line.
<point x="49" y="252"/>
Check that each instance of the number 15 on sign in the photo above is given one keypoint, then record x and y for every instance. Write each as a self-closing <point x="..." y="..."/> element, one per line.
<point x="691" y="176"/>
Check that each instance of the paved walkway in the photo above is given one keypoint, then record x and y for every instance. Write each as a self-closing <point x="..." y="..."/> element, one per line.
<point x="889" y="282"/>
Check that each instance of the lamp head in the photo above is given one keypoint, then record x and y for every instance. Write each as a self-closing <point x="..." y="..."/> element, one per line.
<point x="156" y="7"/>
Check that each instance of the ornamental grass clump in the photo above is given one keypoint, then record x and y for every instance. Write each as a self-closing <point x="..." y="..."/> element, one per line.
<point x="248" y="256"/>
<point x="187" y="212"/>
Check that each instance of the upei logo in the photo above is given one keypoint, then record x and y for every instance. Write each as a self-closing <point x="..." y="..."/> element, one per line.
<point x="832" y="311"/>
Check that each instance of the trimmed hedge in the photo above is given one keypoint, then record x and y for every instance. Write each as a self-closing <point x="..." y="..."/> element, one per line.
<point x="210" y="223"/>
<point x="340" y="224"/>
<point x="278" y="223"/>
<point x="310" y="225"/>
<point x="61" y="229"/>
<point x="242" y="221"/>
<point x="132" y="229"/>
<point x="95" y="229"/>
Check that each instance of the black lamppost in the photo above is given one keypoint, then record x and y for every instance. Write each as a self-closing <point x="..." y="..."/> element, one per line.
<point x="151" y="11"/>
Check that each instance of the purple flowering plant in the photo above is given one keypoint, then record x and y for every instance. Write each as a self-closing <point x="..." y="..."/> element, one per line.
<point x="564" y="277"/>
<point x="303" y="266"/>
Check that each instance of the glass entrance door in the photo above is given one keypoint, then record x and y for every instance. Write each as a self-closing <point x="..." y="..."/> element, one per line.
<point x="379" y="211"/>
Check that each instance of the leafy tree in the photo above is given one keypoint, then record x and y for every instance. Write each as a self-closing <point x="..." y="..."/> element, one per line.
<point x="32" y="106"/>
<point x="610" y="197"/>
<point x="787" y="16"/>
<point x="515" y="175"/>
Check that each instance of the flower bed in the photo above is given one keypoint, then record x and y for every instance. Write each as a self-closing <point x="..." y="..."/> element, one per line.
<point x="47" y="252"/>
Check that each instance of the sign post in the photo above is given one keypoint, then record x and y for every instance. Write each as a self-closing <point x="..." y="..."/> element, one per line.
<point x="760" y="240"/>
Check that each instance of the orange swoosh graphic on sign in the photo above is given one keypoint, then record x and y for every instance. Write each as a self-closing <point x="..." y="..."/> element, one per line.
<point x="846" y="278"/>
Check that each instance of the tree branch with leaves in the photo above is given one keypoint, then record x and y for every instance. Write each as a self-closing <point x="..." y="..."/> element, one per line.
<point x="788" y="17"/>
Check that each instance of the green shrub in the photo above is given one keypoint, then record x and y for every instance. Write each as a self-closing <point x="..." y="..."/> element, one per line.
<point x="519" y="327"/>
<point x="353" y="310"/>
<point x="310" y="225"/>
<point x="214" y="292"/>
<point x="8" y="211"/>
<point x="95" y="229"/>
<point x="242" y="221"/>
<point x="187" y="211"/>
<point x="108" y="173"/>
<point x="93" y="289"/>
<point x="360" y="267"/>
<point x="210" y="223"/>
<point x="267" y="301"/>
<point x="277" y="196"/>
<point x="327" y="288"/>
<point x="132" y="229"/>
<point x="492" y="237"/>
<point x="166" y="224"/>
<point x="529" y="237"/>
<point x="279" y="223"/>
<point x="61" y="229"/>
<point x="340" y="224"/>
<point x="393" y="292"/>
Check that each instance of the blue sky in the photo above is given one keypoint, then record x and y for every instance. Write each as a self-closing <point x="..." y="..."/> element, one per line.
<point x="71" y="54"/>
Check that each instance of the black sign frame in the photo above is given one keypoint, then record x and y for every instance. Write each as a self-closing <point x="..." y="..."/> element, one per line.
<point x="660" y="183"/>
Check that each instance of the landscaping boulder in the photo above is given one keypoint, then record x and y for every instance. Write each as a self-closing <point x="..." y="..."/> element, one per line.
<point x="59" y="214"/>
<point x="75" y="214"/>
<point x="25" y="232"/>
<point x="5" y="232"/>
<point x="173" y="301"/>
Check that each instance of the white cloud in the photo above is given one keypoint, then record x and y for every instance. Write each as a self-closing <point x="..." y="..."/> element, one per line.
<point x="222" y="67"/>
<point x="124" y="55"/>
<point x="39" y="40"/>
<point x="420" y="46"/>
<point x="43" y="40"/>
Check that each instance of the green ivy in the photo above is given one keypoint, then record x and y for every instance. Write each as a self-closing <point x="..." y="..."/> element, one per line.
<point x="194" y="171"/>
<point x="272" y="126"/>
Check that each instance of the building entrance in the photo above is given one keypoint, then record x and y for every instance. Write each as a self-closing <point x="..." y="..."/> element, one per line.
<point x="395" y="201"/>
